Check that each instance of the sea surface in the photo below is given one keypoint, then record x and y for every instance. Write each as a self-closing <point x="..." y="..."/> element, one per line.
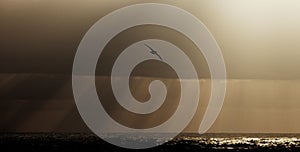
<point x="184" y="142"/>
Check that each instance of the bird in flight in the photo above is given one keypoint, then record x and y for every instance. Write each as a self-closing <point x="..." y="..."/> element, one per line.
<point x="152" y="51"/>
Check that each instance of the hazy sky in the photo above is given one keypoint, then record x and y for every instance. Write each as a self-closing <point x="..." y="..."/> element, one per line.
<point x="259" y="40"/>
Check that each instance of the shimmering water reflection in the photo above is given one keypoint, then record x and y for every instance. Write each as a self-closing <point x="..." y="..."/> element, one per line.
<point x="241" y="141"/>
<point x="184" y="142"/>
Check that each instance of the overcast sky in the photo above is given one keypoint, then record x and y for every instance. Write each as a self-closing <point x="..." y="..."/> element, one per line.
<point x="259" y="40"/>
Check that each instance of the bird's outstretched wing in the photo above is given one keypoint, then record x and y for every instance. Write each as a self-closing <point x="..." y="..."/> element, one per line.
<point x="153" y="51"/>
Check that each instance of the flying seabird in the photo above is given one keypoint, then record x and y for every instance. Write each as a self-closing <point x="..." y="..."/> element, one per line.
<point x="152" y="51"/>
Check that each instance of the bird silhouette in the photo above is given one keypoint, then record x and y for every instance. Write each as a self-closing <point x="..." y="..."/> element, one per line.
<point x="152" y="51"/>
